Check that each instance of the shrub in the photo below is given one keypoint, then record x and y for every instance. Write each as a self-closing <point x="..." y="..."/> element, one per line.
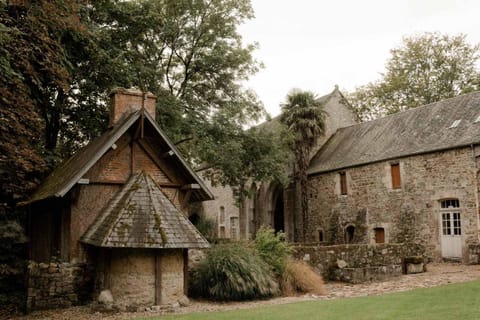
<point x="273" y="249"/>
<point x="299" y="277"/>
<point x="207" y="228"/>
<point x="232" y="272"/>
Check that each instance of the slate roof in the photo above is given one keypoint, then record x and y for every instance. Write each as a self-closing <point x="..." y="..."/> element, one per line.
<point x="415" y="131"/>
<point x="141" y="216"/>
<point x="65" y="176"/>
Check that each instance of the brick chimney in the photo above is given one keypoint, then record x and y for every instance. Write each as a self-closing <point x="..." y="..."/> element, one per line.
<point x="125" y="101"/>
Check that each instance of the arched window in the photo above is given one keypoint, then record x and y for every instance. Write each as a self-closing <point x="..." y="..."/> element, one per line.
<point x="349" y="233"/>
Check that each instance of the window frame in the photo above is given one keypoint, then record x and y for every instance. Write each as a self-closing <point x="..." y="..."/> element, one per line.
<point x="376" y="232"/>
<point x="343" y="183"/>
<point x="451" y="213"/>
<point x="395" y="174"/>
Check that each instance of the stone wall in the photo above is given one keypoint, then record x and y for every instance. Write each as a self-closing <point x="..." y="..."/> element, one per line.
<point x="408" y="214"/>
<point x="358" y="262"/>
<point x="57" y="285"/>
<point x="131" y="277"/>
<point x="172" y="278"/>
<point x="224" y="197"/>
<point x="138" y="278"/>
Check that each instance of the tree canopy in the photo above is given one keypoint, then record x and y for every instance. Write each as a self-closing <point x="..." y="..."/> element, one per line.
<point x="34" y="69"/>
<point x="426" y="68"/>
<point x="61" y="58"/>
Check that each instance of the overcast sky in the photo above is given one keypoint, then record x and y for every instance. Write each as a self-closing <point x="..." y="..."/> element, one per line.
<point x="314" y="45"/>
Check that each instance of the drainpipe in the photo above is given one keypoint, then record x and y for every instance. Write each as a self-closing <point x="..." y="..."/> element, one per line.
<point x="477" y="205"/>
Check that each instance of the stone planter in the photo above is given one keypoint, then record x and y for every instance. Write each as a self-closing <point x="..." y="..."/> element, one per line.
<point x="414" y="264"/>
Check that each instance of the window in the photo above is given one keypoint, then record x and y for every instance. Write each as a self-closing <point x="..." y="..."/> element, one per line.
<point x="451" y="222"/>
<point x="221" y="222"/>
<point x="450" y="203"/>
<point x="349" y="234"/>
<point x="379" y="235"/>
<point x="320" y="235"/>
<point x="343" y="183"/>
<point x="222" y="215"/>
<point x="234" y="227"/>
<point x="395" y="170"/>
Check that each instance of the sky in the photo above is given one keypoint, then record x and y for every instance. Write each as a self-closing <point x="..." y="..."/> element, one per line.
<point x="315" y="45"/>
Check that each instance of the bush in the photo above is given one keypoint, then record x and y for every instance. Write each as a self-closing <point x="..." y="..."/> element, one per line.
<point x="299" y="277"/>
<point x="273" y="249"/>
<point x="232" y="272"/>
<point x="207" y="228"/>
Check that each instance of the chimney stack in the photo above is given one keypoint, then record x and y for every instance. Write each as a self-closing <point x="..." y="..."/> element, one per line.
<point x="123" y="102"/>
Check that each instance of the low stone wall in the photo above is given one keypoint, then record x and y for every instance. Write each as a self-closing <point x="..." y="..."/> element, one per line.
<point x="358" y="263"/>
<point x="58" y="285"/>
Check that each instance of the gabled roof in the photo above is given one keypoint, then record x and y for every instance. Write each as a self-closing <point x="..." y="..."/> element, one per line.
<point x="141" y="216"/>
<point x="438" y="126"/>
<point x="64" y="177"/>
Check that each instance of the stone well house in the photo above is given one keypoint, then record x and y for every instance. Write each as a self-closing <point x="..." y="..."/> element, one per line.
<point x="271" y="204"/>
<point x="411" y="177"/>
<point x="113" y="216"/>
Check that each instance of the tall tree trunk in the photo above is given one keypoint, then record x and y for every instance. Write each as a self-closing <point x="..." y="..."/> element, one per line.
<point x="52" y="116"/>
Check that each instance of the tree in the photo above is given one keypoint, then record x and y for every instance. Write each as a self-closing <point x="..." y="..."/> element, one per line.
<point x="34" y="72"/>
<point x="68" y="55"/>
<point x="186" y="52"/>
<point x="190" y="55"/>
<point x="304" y="116"/>
<point x="237" y="156"/>
<point x="424" y="69"/>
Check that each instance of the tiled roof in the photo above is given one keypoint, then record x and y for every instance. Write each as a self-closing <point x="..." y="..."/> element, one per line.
<point x="141" y="216"/>
<point x="443" y="125"/>
<point x="65" y="176"/>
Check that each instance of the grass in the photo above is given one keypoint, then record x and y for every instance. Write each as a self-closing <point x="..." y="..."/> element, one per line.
<point x="456" y="301"/>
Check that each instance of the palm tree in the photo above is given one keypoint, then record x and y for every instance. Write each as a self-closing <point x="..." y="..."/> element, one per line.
<point x="304" y="116"/>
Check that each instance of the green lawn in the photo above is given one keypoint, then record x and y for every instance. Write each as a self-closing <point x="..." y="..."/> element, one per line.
<point x="457" y="301"/>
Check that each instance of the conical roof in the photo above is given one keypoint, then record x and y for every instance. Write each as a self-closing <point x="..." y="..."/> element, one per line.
<point x="141" y="216"/>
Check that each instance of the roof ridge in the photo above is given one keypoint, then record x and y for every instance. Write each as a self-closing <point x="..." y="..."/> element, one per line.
<point x="414" y="109"/>
<point x="415" y="131"/>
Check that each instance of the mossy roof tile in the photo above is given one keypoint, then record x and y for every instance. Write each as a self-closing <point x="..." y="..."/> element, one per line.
<point x="157" y="223"/>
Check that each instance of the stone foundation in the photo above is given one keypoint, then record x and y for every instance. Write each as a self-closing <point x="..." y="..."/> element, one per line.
<point x="58" y="285"/>
<point x="358" y="262"/>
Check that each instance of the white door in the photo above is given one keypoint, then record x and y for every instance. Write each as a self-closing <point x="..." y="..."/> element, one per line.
<point x="451" y="233"/>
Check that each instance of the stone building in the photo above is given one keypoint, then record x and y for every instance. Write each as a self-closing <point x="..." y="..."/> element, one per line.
<point x="411" y="177"/>
<point x="113" y="216"/>
<point x="270" y="203"/>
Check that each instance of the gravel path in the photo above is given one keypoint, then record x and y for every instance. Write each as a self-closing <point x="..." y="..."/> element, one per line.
<point x="437" y="274"/>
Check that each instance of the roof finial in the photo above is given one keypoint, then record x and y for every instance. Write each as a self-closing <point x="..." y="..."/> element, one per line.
<point x="336" y="87"/>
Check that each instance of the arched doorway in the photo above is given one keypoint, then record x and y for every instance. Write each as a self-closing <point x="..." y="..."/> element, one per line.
<point x="278" y="211"/>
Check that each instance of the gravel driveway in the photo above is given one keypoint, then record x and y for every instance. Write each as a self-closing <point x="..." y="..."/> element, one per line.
<point x="437" y="274"/>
